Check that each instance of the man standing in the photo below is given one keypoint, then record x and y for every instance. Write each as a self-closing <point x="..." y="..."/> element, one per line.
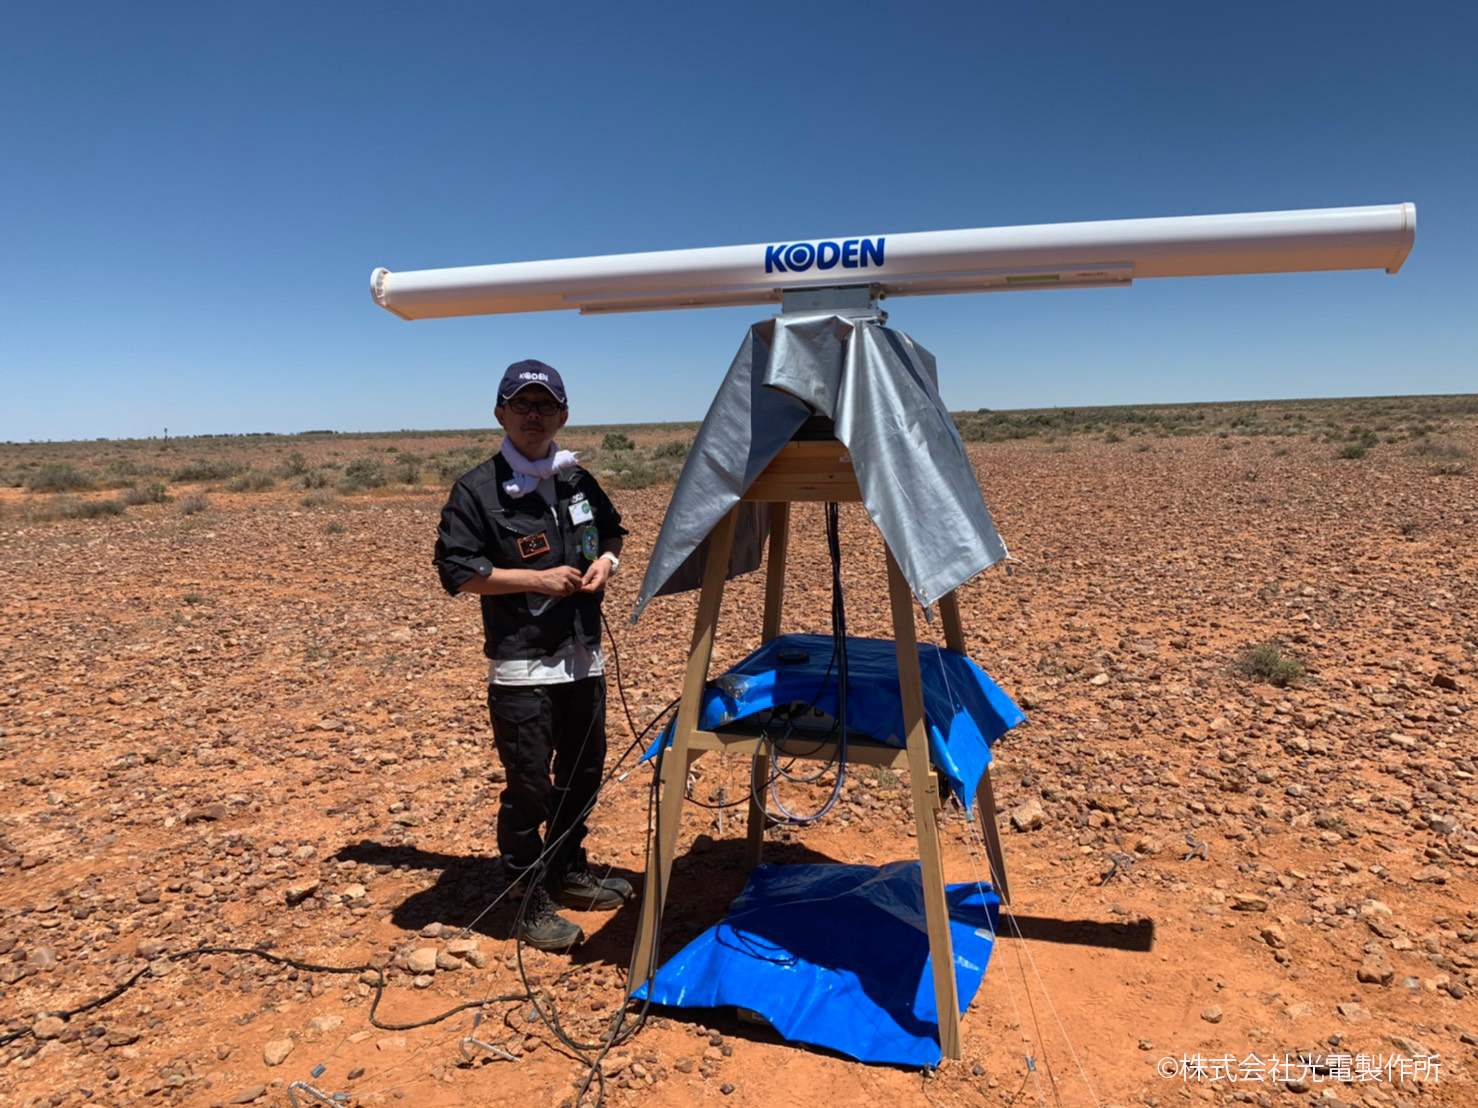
<point x="532" y="534"/>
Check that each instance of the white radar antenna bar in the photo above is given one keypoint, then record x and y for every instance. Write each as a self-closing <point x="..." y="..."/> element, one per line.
<point x="1049" y="255"/>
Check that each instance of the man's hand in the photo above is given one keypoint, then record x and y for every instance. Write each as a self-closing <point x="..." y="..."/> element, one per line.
<point x="559" y="581"/>
<point x="596" y="576"/>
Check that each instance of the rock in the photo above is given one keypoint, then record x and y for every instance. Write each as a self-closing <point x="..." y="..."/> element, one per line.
<point x="422" y="960"/>
<point x="683" y="1065"/>
<point x="1211" y="1014"/>
<point x="207" y="813"/>
<point x="1443" y="681"/>
<point x="301" y="891"/>
<point x="354" y="892"/>
<point x="276" y="1051"/>
<point x="1352" y="1011"/>
<point x="1273" y="935"/>
<point x="246" y="1096"/>
<point x="48" y="1027"/>
<point x="459" y="948"/>
<point x="422" y="981"/>
<point x="445" y="961"/>
<point x="1246" y="902"/>
<point x="1148" y="844"/>
<point x="324" y="1023"/>
<point x="1028" y="817"/>
<point x="1434" y="875"/>
<point x="476" y="958"/>
<point x="149" y="948"/>
<point x="121" y="1036"/>
<point x="1376" y="970"/>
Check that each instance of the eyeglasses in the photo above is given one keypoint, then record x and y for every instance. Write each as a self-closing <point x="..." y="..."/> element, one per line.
<point x="520" y="406"/>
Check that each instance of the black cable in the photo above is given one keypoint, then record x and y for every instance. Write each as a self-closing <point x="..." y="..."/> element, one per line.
<point x="257" y="952"/>
<point x="839" y="655"/>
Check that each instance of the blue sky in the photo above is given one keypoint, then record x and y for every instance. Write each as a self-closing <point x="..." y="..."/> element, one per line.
<point x="192" y="196"/>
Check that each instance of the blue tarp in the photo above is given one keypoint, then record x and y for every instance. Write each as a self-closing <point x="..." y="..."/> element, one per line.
<point x="964" y="709"/>
<point x="836" y="956"/>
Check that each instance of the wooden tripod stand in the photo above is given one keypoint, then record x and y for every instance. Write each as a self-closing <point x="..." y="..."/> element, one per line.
<point x="816" y="471"/>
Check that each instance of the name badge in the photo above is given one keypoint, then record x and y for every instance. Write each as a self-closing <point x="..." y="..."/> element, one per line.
<point x="581" y="512"/>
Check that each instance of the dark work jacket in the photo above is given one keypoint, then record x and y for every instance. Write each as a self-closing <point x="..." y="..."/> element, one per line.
<point x="482" y="527"/>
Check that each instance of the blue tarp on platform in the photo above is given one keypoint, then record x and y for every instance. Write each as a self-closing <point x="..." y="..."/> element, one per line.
<point x="964" y="710"/>
<point x="836" y="956"/>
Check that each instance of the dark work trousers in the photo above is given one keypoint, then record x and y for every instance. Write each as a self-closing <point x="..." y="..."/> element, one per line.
<point x="534" y="725"/>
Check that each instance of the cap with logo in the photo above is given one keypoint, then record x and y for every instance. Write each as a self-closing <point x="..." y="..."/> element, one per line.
<point x="521" y="375"/>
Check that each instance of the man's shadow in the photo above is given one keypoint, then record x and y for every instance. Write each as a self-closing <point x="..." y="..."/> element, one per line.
<point x="470" y="894"/>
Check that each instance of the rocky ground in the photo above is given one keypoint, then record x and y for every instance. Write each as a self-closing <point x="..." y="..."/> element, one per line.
<point x="260" y="726"/>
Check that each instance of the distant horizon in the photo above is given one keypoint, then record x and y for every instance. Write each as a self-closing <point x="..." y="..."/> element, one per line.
<point x="575" y="426"/>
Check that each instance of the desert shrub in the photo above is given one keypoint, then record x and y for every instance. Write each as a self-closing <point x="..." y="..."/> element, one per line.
<point x="636" y="474"/>
<point x="69" y="507"/>
<point x="1267" y="662"/>
<point x="362" y="473"/>
<point x="319" y="498"/>
<point x="617" y="440"/>
<point x="216" y="469"/>
<point x="153" y="493"/>
<point x="675" y="449"/>
<point x="58" y="477"/>
<point x="1352" y="450"/>
<point x="451" y="466"/>
<point x="194" y="503"/>
<point x="295" y="466"/>
<point x="406" y="471"/>
<point x="312" y="479"/>
<point x="333" y="527"/>
<point x="1438" y="449"/>
<point x="252" y="481"/>
<point x="127" y="467"/>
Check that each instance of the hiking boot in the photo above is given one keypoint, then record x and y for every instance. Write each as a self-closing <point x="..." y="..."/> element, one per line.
<point x="541" y="927"/>
<point x="583" y="891"/>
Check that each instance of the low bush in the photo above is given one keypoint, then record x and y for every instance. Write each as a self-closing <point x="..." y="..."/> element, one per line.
<point x="675" y="449"/>
<point x="194" y="503"/>
<point x="362" y="473"/>
<point x="58" y="477"/>
<point x="154" y="493"/>
<point x="617" y="440"/>
<point x="1267" y="662"/>
<point x="69" y="507"/>
<point x="213" y="470"/>
<point x="252" y="481"/>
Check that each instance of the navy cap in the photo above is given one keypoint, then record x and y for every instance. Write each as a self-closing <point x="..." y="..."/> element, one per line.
<point x="520" y="375"/>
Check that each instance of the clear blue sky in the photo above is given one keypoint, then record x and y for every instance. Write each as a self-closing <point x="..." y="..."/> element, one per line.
<point x="192" y="195"/>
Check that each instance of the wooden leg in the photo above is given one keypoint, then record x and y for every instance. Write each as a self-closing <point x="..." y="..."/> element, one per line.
<point x="925" y="803"/>
<point x="985" y="804"/>
<point x="679" y="757"/>
<point x="775" y="570"/>
<point x="754" y="840"/>
<point x="949" y="613"/>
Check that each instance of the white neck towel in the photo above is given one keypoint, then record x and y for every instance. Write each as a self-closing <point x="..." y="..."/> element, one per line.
<point x="527" y="474"/>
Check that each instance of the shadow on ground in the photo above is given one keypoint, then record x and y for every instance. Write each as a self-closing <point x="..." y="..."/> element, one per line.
<point x="468" y="894"/>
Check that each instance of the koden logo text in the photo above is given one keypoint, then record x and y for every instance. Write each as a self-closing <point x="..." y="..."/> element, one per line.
<point x="797" y="257"/>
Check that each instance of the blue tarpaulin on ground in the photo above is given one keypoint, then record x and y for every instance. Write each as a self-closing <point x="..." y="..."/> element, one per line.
<point x="836" y="956"/>
<point x="964" y="710"/>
